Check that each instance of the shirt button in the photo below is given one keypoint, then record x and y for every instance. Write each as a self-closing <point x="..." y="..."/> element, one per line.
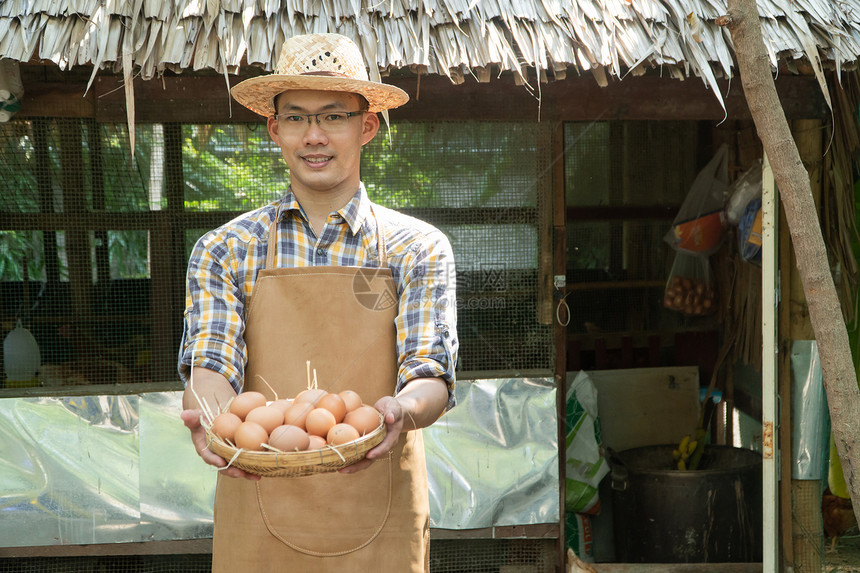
<point x="321" y="252"/>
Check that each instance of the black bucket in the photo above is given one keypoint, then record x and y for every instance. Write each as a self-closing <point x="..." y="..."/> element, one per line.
<point x="709" y="515"/>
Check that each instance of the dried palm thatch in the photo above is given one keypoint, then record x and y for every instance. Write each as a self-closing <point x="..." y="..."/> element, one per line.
<point x="450" y="37"/>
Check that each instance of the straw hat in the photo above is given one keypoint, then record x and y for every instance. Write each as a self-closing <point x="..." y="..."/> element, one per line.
<point x="328" y="62"/>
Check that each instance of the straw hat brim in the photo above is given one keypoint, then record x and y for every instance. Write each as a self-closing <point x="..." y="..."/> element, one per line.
<point x="257" y="93"/>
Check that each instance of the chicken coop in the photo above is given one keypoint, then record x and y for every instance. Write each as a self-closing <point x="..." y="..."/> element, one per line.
<point x="555" y="145"/>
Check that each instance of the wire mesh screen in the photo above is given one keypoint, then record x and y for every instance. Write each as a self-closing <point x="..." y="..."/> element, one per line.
<point x="110" y="564"/>
<point x="624" y="182"/>
<point x="95" y="241"/>
<point x="446" y="556"/>
<point x="492" y="556"/>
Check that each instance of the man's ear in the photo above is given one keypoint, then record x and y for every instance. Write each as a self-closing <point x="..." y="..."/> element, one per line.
<point x="369" y="127"/>
<point x="272" y="127"/>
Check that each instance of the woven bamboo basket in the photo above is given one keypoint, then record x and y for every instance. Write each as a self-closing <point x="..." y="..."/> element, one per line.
<point x="296" y="464"/>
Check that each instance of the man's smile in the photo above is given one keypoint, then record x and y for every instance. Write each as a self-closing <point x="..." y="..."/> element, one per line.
<point x="317" y="160"/>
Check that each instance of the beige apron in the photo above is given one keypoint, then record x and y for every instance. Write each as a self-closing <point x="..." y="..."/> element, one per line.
<point x="373" y="520"/>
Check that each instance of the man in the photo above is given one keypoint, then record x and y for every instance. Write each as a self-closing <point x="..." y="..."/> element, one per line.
<point x="323" y="275"/>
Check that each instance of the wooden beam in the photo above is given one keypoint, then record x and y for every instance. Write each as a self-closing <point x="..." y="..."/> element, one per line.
<point x="581" y="99"/>
<point x="622" y="213"/>
<point x="204" y="545"/>
<point x="182" y="547"/>
<point x="143" y="220"/>
<point x="57" y="99"/>
<point x="534" y="531"/>
<point x="193" y="98"/>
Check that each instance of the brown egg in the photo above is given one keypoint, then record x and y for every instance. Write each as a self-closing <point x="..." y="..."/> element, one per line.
<point x="311" y="396"/>
<point x="350" y="399"/>
<point x="251" y="436"/>
<point x="289" y="439"/>
<point x="297" y="414"/>
<point x="334" y="404"/>
<point x="315" y="442"/>
<point x="245" y="402"/>
<point x="319" y="422"/>
<point x="341" y="434"/>
<point x="281" y="404"/>
<point x="224" y="426"/>
<point x="267" y="416"/>
<point x="364" y="419"/>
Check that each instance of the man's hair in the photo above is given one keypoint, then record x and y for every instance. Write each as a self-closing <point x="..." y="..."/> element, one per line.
<point x="363" y="104"/>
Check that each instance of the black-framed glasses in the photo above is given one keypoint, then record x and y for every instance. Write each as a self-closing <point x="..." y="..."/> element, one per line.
<point x="330" y="121"/>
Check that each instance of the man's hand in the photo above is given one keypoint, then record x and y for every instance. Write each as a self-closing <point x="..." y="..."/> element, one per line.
<point x="198" y="437"/>
<point x="212" y="388"/>
<point x="420" y="404"/>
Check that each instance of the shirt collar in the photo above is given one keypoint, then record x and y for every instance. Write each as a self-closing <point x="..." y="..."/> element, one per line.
<point x="354" y="212"/>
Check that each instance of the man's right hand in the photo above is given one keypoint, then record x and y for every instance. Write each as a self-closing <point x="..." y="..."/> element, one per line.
<point x="198" y="437"/>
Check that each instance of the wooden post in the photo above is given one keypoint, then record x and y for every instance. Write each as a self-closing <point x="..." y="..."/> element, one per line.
<point x="545" y="203"/>
<point x="805" y="498"/>
<point x="560" y="331"/>
<point x="42" y="174"/>
<point x="75" y="204"/>
<point x="784" y="345"/>
<point x="166" y="288"/>
<point x="102" y="251"/>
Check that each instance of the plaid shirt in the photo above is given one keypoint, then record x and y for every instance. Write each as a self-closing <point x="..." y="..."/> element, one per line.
<point x="224" y="265"/>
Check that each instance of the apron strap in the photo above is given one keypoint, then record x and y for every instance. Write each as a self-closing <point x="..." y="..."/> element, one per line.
<point x="382" y="252"/>
<point x="272" y="246"/>
<point x="307" y="551"/>
<point x="272" y="241"/>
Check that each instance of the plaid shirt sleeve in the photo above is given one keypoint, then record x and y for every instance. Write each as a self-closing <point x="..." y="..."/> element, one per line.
<point x="214" y="313"/>
<point x="427" y="321"/>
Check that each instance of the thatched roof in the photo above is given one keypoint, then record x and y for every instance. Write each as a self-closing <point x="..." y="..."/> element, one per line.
<point x="451" y="37"/>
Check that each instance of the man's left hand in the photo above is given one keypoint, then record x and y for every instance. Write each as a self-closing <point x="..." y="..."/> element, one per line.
<point x="417" y="406"/>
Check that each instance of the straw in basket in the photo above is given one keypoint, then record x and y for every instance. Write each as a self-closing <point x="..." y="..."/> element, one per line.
<point x="277" y="463"/>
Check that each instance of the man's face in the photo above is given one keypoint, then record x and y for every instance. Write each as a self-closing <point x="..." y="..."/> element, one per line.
<point x="321" y="159"/>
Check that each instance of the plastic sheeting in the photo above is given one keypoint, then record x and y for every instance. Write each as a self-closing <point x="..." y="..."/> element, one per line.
<point x="100" y="469"/>
<point x="116" y="469"/>
<point x="808" y="412"/>
<point x="493" y="460"/>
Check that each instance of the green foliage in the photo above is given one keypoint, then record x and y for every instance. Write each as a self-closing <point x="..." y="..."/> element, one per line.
<point x="477" y="164"/>
<point x="230" y="167"/>
<point x="854" y="326"/>
<point x="234" y="167"/>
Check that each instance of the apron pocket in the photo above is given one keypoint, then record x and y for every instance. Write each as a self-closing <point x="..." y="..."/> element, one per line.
<point x="329" y="514"/>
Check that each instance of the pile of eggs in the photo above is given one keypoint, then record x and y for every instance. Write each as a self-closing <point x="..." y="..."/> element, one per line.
<point x="693" y="297"/>
<point x="312" y="420"/>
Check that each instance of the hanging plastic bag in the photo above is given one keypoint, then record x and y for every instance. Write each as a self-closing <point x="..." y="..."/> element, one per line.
<point x="698" y="226"/>
<point x="585" y="464"/>
<point x="745" y="189"/>
<point x="749" y="232"/>
<point x="690" y="288"/>
<point x="744" y="211"/>
<point x="11" y="89"/>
